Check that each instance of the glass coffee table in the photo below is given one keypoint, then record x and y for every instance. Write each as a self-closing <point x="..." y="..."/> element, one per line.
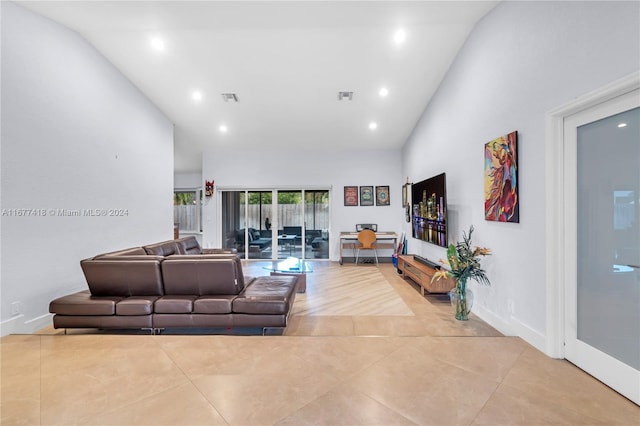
<point x="292" y="266"/>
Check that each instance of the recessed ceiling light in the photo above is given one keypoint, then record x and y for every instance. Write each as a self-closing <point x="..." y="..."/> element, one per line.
<point x="223" y="128"/>
<point x="400" y="36"/>
<point x="230" y="97"/>
<point x="345" y="96"/>
<point x="157" y="43"/>
<point x="196" y="96"/>
<point x="622" y="125"/>
<point x="373" y="125"/>
<point x="383" y="92"/>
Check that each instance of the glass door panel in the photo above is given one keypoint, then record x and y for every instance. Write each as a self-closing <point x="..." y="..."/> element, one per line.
<point x="608" y="305"/>
<point x="602" y="288"/>
<point x="259" y="214"/>
<point x="317" y="224"/>
<point x="233" y="221"/>
<point x="290" y="224"/>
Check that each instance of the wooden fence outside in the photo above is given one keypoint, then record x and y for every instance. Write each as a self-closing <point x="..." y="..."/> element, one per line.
<point x="288" y="214"/>
<point x="188" y="216"/>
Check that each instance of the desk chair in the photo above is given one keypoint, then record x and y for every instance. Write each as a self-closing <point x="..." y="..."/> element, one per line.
<point x="367" y="239"/>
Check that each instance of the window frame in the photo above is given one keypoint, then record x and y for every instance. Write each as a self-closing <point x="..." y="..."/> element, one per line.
<point x="198" y="194"/>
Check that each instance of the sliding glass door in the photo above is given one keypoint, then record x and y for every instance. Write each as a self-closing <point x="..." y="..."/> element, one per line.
<point x="290" y="224"/>
<point x="259" y="207"/>
<point x="316" y="212"/>
<point x="276" y="224"/>
<point x="233" y="221"/>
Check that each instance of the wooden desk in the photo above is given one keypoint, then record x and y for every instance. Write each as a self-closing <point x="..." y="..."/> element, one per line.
<point x="349" y="240"/>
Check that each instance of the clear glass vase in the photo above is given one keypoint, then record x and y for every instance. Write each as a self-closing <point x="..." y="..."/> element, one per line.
<point x="461" y="302"/>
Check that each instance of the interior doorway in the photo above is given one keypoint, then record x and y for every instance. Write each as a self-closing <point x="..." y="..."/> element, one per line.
<point x="593" y="234"/>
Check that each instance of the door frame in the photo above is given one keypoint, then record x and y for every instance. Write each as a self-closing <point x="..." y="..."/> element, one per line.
<point x="557" y="271"/>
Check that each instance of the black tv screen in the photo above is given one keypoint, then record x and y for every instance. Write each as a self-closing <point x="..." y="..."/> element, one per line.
<point x="429" y="210"/>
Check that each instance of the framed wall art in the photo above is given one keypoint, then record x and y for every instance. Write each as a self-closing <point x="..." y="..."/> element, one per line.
<point x="366" y="195"/>
<point x="382" y="196"/>
<point x="501" y="202"/>
<point x="350" y="195"/>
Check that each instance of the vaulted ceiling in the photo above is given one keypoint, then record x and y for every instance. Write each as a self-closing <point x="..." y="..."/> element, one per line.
<point x="286" y="62"/>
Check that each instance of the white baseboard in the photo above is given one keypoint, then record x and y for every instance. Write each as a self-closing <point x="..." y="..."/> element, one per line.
<point x="18" y="325"/>
<point x="512" y="328"/>
<point x="9" y="326"/>
<point x="529" y="335"/>
<point x="494" y="321"/>
<point x="39" y="323"/>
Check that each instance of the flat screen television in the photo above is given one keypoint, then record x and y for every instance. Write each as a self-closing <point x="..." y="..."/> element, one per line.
<point x="429" y="210"/>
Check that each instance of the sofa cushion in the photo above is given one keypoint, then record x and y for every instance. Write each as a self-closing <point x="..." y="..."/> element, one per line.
<point x="261" y="243"/>
<point x="174" y="304"/>
<point x="164" y="248"/>
<point x="123" y="276"/>
<point x="83" y="303"/>
<point x="136" y="305"/>
<point x="243" y="279"/>
<point x="252" y="233"/>
<point x="219" y="251"/>
<point x="292" y="230"/>
<point x="103" y="321"/>
<point x="213" y="304"/>
<point x="192" y="320"/>
<point x="189" y="245"/>
<point x="201" y="275"/>
<point x="267" y="295"/>
<point x="133" y="251"/>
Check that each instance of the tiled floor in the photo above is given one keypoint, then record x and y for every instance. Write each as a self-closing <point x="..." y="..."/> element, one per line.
<point x="388" y="366"/>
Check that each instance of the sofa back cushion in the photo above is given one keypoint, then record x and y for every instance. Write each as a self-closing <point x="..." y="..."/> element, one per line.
<point x="253" y="234"/>
<point x="292" y="230"/>
<point x="124" y="276"/>
<point x="164" y="248"/>
<point x="201" y="275"/>
<point x="189" y="245"/>
<point x="133" y="251"/>
<point x="223" y="254"/>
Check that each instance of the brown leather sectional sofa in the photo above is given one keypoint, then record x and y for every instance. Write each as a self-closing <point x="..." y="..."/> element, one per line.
<point x="174" y="284"/>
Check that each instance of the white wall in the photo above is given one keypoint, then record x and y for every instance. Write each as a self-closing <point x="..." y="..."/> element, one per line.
<point x="75" y="135"/>
<point x="310" y="169"/>
<point x="187" y="180"/>
<point x="522" y="60"/>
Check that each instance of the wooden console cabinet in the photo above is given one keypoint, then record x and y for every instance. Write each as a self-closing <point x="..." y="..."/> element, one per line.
<point x="421" y="274"/>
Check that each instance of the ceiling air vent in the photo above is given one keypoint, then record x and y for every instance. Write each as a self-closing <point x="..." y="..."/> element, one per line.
<point x="230" y="97"/>
<point x="345" y="96"/>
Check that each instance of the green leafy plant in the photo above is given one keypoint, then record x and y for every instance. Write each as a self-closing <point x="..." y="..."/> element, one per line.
<point x="464" y="262"/>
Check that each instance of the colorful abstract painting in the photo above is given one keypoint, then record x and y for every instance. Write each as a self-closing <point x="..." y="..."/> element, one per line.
<point x="501" y="203"/>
